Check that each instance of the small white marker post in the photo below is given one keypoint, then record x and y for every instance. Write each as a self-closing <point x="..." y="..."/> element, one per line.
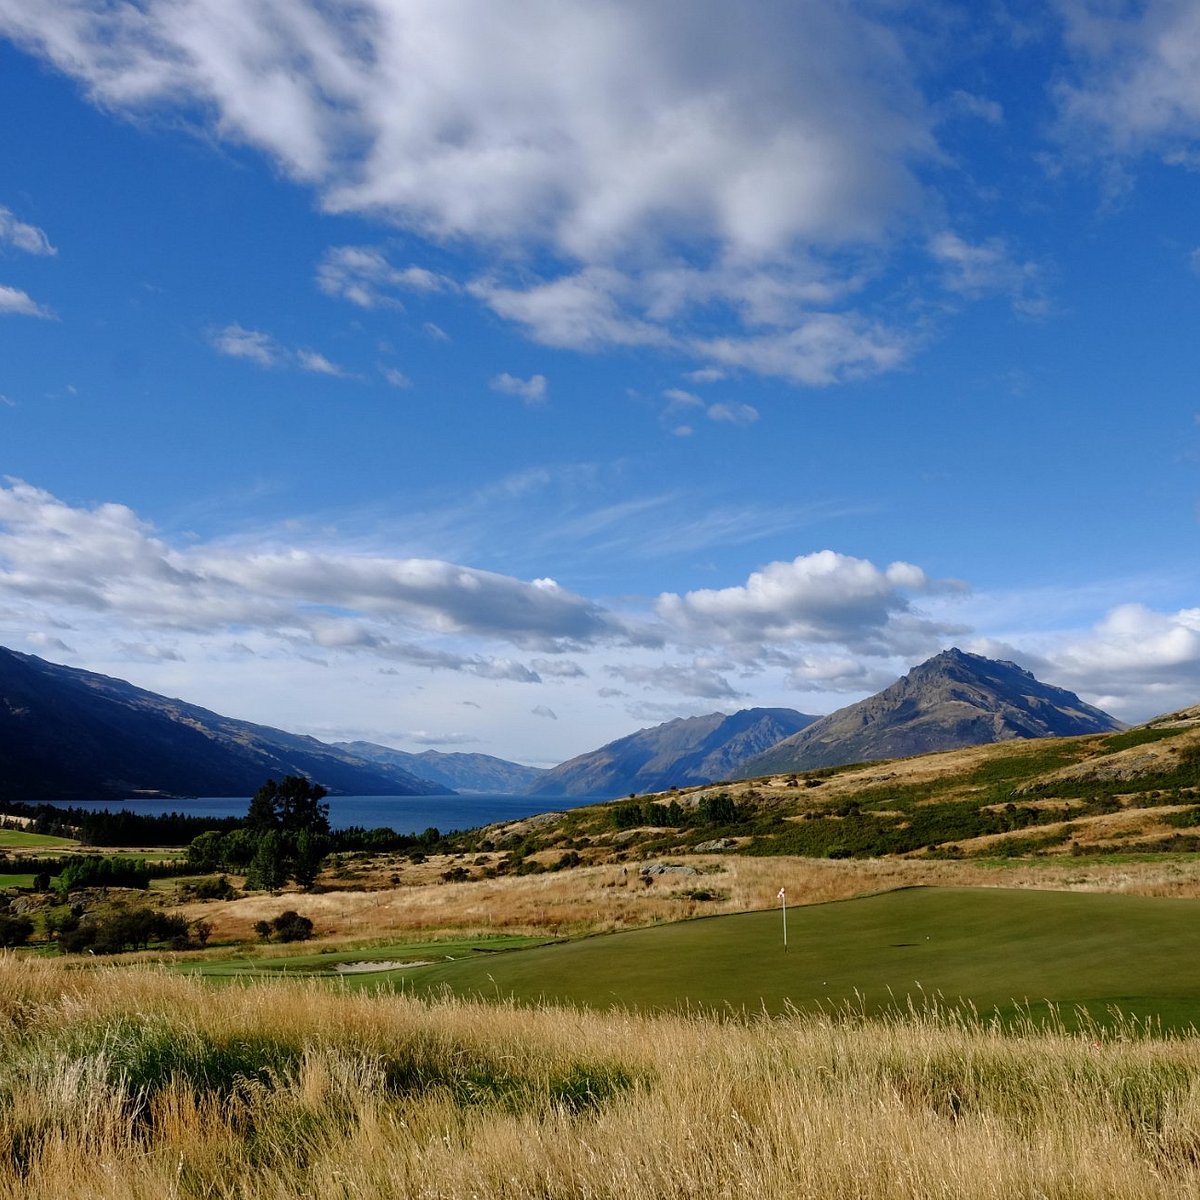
<point x="783" y="905"/>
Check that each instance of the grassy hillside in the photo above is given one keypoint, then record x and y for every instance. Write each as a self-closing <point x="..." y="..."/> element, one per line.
<point x="1137" y="790"/>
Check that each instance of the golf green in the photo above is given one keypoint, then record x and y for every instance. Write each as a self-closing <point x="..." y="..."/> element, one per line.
<point x="1000" y="950"/>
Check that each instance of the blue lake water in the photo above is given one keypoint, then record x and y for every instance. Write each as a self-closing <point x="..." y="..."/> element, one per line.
<point x="404" y="814"/>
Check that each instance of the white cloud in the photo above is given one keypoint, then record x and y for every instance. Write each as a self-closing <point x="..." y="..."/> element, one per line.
<point x="17" y="234"/>
<point x="682" y="399"/>
<point x="251" y="344"/>
<point x="106" y="565"/>
<point x="16" y="303"/>
<point x="1136" y="81"/>
<point x="967" y="104"/>
<point x="364" y="276"/>
<point x="540" y="710"/>
<point x="583" y="311"/>
<point x="733" y="413"/>
<point x="1136" y="659"/>
<point x="396" y="378"/>
<point x="989" y="268"/>
<point x="681" y="680"/>
<point x="318" y="364"/>
<point x="816" y="598"/>
<point x="822" y="349"/>
<point x="558" y="668"/>
<point x="607" y="141"/>
<point x="531" y="390"/>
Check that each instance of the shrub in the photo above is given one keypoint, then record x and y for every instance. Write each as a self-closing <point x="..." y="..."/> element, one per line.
<point x="124" y="929"/>
<point x="216" y="887"/>
<point x="289" y="926"/>
<point x="14" y="930"/>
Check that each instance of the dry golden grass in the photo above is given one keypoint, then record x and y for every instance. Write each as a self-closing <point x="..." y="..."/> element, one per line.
<point x="111" y="1088"/>
<point x="586" y="899"/>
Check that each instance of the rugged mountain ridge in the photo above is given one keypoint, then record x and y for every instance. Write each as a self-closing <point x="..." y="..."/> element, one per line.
<point x="462" y="772"/>
<point x="951" y="700"/>
<point x="68" y="734"/>
<point x="678" y="753"/>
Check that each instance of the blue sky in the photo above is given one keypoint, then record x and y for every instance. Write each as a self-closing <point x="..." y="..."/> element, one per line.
<point x="508" y="376"/>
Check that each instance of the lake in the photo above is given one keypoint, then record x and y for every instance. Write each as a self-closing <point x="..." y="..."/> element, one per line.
<point x="404" y="814"/>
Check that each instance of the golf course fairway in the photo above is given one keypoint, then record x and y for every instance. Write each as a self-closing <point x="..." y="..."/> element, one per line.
<point x="1004" y="951"/>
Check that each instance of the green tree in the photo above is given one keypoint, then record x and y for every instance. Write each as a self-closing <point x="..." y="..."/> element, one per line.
<point x="270" y="867"/>
<point x="290" y="806"/>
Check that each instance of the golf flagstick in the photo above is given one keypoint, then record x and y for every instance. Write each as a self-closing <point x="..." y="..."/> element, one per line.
<point x="783" y="905"/>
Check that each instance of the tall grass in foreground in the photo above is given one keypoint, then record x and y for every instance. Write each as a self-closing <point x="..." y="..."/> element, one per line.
<point x="129" y="1083"/>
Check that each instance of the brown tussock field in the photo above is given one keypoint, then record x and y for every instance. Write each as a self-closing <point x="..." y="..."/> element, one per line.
<point x="130" y="1084"/>
<point x="610" y="897"/>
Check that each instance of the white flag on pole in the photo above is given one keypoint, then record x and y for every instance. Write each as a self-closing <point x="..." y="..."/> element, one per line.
<point x="782" y="894"/>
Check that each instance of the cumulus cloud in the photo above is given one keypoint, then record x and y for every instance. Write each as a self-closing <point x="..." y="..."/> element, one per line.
<point x="605" y="139"/>
<point x="16" y="303"/>
<point x="531" y="390"/>
<point x="1136" y="81"/>
<point x="20" y="236"/>
<point x="816" y="598"/>
<point x="1136" y="660"/>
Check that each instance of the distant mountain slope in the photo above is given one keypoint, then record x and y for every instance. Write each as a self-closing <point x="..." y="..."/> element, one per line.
<point x="69" y="734"/>
<point x="953" y="699"/>
<point x="462" y="772"/>
<point x="686" y="751"/>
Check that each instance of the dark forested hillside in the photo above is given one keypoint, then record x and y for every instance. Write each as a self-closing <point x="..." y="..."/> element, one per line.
<point x="68" y="734"/>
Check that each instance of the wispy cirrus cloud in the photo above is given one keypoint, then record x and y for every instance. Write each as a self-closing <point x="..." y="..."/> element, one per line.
<point x="22" y="236"/>
<point x="364" y="276"/>
<point x="253" y="345"/>
<point x="531" y="390"/>
<point x="16" y="303"/>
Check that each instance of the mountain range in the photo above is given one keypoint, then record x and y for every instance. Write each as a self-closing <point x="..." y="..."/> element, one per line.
<point x="67" y="734"/>
<point x="679" y="753"/>
<point x="462" y="772"/>
<point x="70" y="734"/>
